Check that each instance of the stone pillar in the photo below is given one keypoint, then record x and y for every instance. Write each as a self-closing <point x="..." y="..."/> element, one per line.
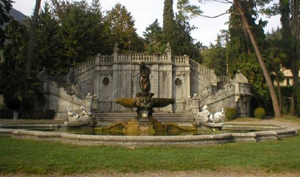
<point x="196" y="105"/>
<point x="70" y="80"/>
<point x="97" y="76"/>
<point x="115" y="86"/>
<point x="95" y="103"/>
<point x="169" y="53"/>
<point x="88" y="102"/>
<point x="116" y="50"/>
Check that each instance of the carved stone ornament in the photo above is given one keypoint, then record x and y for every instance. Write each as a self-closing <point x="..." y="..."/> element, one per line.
<point x="105" y="81"/>
<point x="178" y="82"/>
<point x="144" y="102"/>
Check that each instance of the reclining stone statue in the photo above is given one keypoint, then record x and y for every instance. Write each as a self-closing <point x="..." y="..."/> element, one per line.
<point x="82" y="116"/>
<point x="206" y="117"/>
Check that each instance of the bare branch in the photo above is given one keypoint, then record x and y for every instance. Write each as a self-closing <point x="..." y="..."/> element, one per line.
<point x="206" y="16"/>
<point x="220" y="1"/>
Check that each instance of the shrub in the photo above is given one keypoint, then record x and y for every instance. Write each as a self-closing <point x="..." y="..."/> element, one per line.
<point x="297" y="104"/>
<point x="49" y="114"/>
<point x="6" y="114"/>
<point x="37" y="114"/>
<point x="259" y="113"/>
<point x="286" y="105"/>
<point x="230" y="113"/>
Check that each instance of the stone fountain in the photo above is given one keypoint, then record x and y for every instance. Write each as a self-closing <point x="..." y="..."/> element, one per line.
<point x="144" y="122"/>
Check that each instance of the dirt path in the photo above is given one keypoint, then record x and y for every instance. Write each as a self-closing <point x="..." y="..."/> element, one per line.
<point x="286" y="124"/>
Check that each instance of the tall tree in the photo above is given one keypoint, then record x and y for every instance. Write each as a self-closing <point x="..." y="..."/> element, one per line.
<point x="177" y="31"/>
<point x="276" y="59"/>
<point x="4" y="10"/>
<point x="215" y="57"/>
<point x="48" y="42"/>
<point x="169" y="25"/>
<point x="31" y="42"/>
<point x="248" y="31"/>
<point x="241" y="11"/>
<point x="122" y="30"/>
<point x="154" y="38"/>
<point x="290" y="21"/>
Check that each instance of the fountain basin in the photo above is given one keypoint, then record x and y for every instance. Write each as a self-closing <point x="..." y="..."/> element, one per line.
<point x="145" y="102"/>
<point x="188" y="140"/>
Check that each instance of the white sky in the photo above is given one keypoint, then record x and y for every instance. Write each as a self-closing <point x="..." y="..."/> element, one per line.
<point x="145" y="12"/>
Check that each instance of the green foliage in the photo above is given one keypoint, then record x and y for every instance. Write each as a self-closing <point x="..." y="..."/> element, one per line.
<point x="187" y="10"/>
<point x="286" y="105"/>
<point x="121" y="29"/>
<point x="298" y="101"/>
<point x="240" y="52"/>
<point x="21" y="88"/>
<point x="230" y="113"/>
<point x="259" y="113"/>
<point x="37" y="114"/>
<point x="69" y="33"/>
<point x="286" y="91"/>
<point x="28" y="114"/>
<point x="215" y="56"/>
<point x="4" y="10"/>
<point x="154" y="38"/>
<point x="6" y="114"/>
<point x="177" y="32"/>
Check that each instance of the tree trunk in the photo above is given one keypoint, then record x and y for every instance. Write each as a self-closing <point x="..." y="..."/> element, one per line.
<point x="294" y="56"/>
<point x="31" y="42"/>
<point x="278" y="89"/>
<point x="276" y="108"/>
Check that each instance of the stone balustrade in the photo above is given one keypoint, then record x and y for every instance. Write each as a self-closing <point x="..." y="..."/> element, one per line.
<point x="200" y="68"/>
<point x="56" y="78"/>
<point x="84" y="66"/>
<point x="139" y="57"/>
<point x="224" y="79"/>
<point x="106" y="59"/>
<point x="181" y="60"/>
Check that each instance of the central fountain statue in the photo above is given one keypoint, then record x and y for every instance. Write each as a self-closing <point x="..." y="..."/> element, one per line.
<point x="144" y="102"/>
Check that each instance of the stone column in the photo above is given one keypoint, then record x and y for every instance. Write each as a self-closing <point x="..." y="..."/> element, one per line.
<point x="169" y="53"/>
<point x="196" y="105"/>
<point x="116" y="50"/>
<point x="97" y="76"/>
<point x="88" y="102"/>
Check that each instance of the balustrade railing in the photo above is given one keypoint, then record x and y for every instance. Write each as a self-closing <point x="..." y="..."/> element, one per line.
<point x="56" y="78"/>
<point x="224" y="79"/>
<point x="106" y="59"/>
<point x="84" y="66"/>
<point x="200" y="68"/>
<point x="181" y="60"/>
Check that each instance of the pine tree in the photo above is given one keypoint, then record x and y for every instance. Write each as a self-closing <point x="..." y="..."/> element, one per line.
<point x="48" y="43"/>
<point x="240" y="52"/>
<point x="169" y="25"/>
<point x="4" y="10"/>
<point x="154" y="38"/>
<point x="122" y="30"/>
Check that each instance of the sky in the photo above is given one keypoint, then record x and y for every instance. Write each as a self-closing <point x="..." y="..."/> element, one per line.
<point x="146" y="12"/>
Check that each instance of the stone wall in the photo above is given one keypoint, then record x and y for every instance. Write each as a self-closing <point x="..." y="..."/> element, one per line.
<point x="59" y="100"/>
<point x="189" y="83"/>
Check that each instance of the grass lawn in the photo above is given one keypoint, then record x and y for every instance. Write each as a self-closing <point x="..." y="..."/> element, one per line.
<point x="39" y="157"/>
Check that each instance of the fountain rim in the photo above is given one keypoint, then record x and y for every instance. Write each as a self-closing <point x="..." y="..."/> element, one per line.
<point x="188" y="140"/>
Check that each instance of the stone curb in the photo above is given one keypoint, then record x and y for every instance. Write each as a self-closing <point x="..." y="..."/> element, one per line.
<point x="151" y="140"/>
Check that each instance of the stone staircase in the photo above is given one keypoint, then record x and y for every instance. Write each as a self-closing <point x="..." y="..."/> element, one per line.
<point x="109" y="118"/>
